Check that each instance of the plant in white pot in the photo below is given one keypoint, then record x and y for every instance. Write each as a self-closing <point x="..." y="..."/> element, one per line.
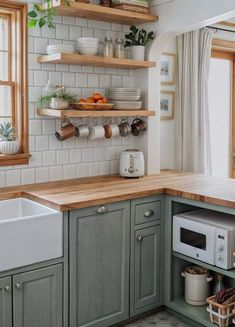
<point x="8" y="142"/>
<point x="137" y="40"/>
<point x="58" y="99"/>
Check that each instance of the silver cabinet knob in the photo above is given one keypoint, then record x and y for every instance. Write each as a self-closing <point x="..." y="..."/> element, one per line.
<point x="149" y="213"/>
<point x="102" y="209"/>
<point x="140" y="238"/>
<point x="17" y="285"/>
<point x="7" y="288"/>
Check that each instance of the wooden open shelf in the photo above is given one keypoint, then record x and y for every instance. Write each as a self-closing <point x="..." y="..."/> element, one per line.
<point x="93" y="114"/>
<point x="106" y="14"/>
<point x="77" y="59"/>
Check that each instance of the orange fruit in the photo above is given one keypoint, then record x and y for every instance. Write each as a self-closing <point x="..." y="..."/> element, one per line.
<point x="97" y="96"/>
<point x="90" y="100"/>
<point x="100" y="101"/>
<point x="105" y="100"/>
<point x="82" y="100"/>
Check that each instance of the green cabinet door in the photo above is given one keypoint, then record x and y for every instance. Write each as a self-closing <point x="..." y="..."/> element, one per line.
<point x="145" y="270"/>
<point x="99" y="265"/>
<point x="37" y="298"/>
<point x="5" y="302"/>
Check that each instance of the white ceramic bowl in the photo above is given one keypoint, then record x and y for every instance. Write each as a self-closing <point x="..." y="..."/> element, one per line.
<point x="88" y="40"/>
<point x="88" y="50"/>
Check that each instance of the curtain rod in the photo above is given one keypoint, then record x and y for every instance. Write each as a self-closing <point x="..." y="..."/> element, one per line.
<point x="221" y="29"/>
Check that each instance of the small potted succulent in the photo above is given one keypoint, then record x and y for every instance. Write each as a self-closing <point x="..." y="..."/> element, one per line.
<point x="8" y="142"/>
<point x="137" y="40"/>
<point x="58" y="100"/>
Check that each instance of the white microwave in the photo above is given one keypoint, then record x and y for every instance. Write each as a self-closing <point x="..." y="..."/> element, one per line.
<point x="205" y="235"/>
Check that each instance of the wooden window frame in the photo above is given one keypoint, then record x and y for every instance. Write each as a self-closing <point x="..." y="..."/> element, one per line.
<point x="19" y="83"/>
<point x="224" y="49"/>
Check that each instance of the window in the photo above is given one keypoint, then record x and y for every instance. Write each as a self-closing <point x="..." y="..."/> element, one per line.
<point x="13" y="75"/>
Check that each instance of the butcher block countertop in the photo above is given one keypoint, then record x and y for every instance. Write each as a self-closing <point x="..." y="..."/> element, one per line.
<point x="86" y="192"/>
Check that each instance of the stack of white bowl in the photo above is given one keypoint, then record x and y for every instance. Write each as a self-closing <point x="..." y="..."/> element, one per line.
<point x="125" y="98"/>
<point x="88" y="45"/>
<point x="58" y="48"/>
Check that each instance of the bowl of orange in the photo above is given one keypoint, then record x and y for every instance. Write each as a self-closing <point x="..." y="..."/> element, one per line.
<point x="96" y="102"/>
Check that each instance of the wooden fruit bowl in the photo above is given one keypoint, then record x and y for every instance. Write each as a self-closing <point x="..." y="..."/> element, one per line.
<point x="92" y="106"/>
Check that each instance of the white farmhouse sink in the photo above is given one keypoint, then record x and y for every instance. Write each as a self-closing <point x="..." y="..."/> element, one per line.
<point x="29" y="233"/>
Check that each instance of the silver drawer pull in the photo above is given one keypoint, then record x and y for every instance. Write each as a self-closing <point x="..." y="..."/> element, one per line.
<point x="140" y="238"/>
<point x="102" y="209"/>
<point x="149" y="213"/>
<point x="17" y="285"/>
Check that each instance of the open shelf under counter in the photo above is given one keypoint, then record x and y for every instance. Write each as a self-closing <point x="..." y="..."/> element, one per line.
<point x="93" y="114"/>
<point x="197" y="313"/>
<point x="87" y="60"/>
<point x="228" y="273"/>
<point x="106" y="14"/>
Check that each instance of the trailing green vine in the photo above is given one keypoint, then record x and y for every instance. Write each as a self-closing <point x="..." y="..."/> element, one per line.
<point x="44" y="17"/>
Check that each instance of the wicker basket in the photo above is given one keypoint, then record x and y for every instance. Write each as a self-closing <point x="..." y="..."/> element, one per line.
<point x="220" y="314"/>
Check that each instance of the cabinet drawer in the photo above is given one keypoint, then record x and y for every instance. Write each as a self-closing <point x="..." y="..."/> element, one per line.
<point x="147" y="212"/>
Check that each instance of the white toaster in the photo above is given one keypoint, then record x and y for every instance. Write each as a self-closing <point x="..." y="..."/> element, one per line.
<point x="131" y="163"/>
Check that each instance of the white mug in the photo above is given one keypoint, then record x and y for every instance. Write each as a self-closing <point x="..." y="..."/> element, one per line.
<point x="115" y="130"/>
<point x="97" y="132"/>
<point x="83" y="131"/>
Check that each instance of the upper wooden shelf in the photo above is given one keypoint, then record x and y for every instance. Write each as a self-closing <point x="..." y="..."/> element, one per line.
<point x="93" y="114"/>
<point x="90" y="11"/>
<point x="77" y="59"/>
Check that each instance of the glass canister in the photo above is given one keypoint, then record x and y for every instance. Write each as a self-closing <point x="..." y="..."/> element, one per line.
<point x="108" y="47"/>
<point x="119" y="49"/>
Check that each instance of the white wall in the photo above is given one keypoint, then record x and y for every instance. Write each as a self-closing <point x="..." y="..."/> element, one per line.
<point x="220" y="115"/>
<point x="167" y="139"/>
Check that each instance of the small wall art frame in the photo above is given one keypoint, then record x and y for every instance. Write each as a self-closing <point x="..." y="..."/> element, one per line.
<point x="168" y="68"/>
<point x="167" y="105"/>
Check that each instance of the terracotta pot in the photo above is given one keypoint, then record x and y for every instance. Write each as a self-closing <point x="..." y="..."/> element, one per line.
<point x="9" y="147"/>
<point x="59" y="104"/>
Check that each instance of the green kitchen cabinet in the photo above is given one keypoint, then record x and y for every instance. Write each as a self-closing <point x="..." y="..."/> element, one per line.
<point x="99" y="265"/>
<point x="5" y="302"/>
<point x="37" y="298"/>
<point x="146" y="254"/>
<point x="146" y="269"/>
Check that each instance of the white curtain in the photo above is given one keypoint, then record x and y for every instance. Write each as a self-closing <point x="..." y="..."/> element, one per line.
<point x="193" y="146"/>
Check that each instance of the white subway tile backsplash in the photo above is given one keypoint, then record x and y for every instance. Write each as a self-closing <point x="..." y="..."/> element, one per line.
<point x="81" y="170"/>
<point x="62" y="157"/>
<point x="69" y="171"/>
<point x="62" y="32"/>
<point x="28" y="176"/>
<point x="56" y="173"/>
<point x="76" y="157"/>
<point x="49" y="158"/>
<point x="42" y="174"/>
<point x="13" y="177"/>
<point x="42" y="143"/>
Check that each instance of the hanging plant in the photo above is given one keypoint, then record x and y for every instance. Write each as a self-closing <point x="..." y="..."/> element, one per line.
<point x="44" y="17"/>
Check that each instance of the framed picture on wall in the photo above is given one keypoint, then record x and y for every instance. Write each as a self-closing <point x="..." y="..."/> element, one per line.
<point x="168" y="66"/>
<point x="167" y="105"/>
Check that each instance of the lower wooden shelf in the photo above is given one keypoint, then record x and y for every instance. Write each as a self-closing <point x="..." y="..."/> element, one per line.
<point x="93" y="114"/>
<point x="196" y="313"/>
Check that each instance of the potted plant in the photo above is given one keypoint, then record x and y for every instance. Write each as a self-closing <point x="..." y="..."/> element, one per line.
<point x="8" y="142"/>
<point x="137" y="40"/>
<point x="44" y="15"/>
<point x="58" y="100"/>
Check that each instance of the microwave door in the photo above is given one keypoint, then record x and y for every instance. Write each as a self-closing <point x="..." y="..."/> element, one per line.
<point x="194" y="239"/>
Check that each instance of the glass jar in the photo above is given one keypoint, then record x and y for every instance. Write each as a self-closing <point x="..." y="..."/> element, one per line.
<point x="119" y="49"/>
<point x="108" y="47"/>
